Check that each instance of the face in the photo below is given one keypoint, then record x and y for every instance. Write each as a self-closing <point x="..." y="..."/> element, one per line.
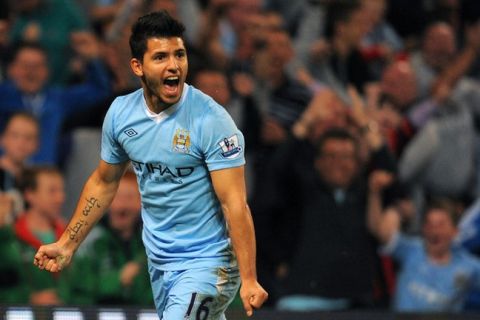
<point x="214" y="84"/>
<point x="269" y="62"/>
<point x="399" y="84"/>
<point x="375" y="9"/>
<point x="337" y="163"/>
<point x="162" y="71"/>
<point x="240" y="10"/>
<point x="29" y="70"/>
<point x="439" y="232"/>
<point x="353" y="30"/>
<point x="49" y="197"/>
<point x="439" y="46"/>
<point x="20" y="139"/>
<point x="126" y="205"/>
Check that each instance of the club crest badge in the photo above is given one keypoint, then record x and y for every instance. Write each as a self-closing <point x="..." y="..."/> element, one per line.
<point x="181" y="141"/>
<point x="230" y="147"/>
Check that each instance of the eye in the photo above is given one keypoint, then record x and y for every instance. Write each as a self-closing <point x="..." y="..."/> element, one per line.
<point x="180" y="54"/>
<point x="159" y="56"/>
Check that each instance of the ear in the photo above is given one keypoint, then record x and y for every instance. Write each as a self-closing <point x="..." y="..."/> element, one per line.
<point x="136" y="66"/>
<point x="28" y="196"/>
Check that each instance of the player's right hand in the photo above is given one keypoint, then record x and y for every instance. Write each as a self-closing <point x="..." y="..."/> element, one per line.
<point x="52" y="257"/>
<point x="253" y="296"/>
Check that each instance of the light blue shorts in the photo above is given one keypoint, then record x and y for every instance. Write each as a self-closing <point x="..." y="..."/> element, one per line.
<point x="194" y="294"/>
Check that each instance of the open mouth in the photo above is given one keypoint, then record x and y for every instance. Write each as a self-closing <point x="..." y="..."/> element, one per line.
<point x="435" y="240"/>
<point x="171" y="84"/>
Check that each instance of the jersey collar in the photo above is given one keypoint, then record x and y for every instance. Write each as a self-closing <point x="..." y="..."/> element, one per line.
<point x="159" y="117"/>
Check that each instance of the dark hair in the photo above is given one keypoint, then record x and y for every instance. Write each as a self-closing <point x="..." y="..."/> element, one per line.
<point x="15" y="49"/>
<point x="446" y="205"/>
<point x="29" y="177"/>
<point x="339" y="11"/>
<point x="9" y="116"/>
<point x="206" y="68"/>
<point x="336" y="134"/>
<point x="159" y="24"/>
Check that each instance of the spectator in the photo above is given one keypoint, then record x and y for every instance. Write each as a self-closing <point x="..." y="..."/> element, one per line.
<point x="27" y="90"/>
<point x="43" y="191"/>
<point x="400" y="110"/>
<point x="435" y="274"/>
<point x="437" y="52"/>
<point x="112" y="262"/>
<point x="292" y="12"/>
<point x="343" y="64"/>
<point x="313" y="202"/>
<point x="50" y="23"/>
<point x="14" y="287"/>
<point x="334" y="264"/>
<point x="440" y="160"/>
<point x="18" y="142"/>
<point x="381" y="43"/>
<point x="241" y="107"/>
<point x="440" y="62"/>
<point x="280" y="98"/>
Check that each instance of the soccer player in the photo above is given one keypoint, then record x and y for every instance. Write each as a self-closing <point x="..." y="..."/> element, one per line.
<point x="197" y="224"/>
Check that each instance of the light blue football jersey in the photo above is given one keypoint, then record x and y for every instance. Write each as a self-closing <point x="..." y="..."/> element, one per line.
<point x="423" y="286"/>
<point x="172" y="154"/>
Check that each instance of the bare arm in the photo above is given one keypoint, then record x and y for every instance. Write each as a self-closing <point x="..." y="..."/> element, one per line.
<point x="229" y="186"/>
<point x="383" y="224"/>
<point x="96" y="197"/>
<point x="461" y="64"/>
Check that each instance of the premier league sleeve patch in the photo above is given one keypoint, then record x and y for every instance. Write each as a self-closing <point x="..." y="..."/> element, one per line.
<point x="230" y="147"/>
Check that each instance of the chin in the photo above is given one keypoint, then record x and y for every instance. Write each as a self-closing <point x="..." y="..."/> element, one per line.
<point x="171" y="100"/>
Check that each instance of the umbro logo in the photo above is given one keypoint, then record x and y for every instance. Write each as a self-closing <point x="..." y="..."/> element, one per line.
<point x="130" y="132"/>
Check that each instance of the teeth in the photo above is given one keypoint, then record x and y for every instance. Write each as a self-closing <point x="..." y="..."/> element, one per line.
<point x="172" y="78"/>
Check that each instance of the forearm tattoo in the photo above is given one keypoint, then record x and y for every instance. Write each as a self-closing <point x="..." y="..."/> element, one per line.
<point x="91" y="203"/>
<point x="75" y="231"/>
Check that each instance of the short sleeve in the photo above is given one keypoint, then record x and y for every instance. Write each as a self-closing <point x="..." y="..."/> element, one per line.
<point x="112" y="151"/>
<point x="222" y="143"/>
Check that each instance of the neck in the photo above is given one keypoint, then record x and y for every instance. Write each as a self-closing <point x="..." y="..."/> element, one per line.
<point x="36" y="221"/>
<point x="440" y="257"/>
<point x="125" y="234"/>
<point x="13" y="167"/>
<point x="155" y="105"/>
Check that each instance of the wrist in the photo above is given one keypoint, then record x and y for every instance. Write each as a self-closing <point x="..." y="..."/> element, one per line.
<point x="67" y="243"/>
<point x="249" y="281"/>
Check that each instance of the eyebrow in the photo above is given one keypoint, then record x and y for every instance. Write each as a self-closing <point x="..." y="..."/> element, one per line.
<point x="160" y="51"/>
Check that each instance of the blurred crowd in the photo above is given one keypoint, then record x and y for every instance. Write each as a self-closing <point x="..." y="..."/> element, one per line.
<point x="361" y="120"/>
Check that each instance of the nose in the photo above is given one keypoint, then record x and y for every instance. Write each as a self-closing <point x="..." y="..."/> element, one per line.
<point x="172" y="64"/>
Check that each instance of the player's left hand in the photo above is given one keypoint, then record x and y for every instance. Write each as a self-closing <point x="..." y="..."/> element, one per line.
<point x="252" y="295"/>
<point x="52" y="257"/>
